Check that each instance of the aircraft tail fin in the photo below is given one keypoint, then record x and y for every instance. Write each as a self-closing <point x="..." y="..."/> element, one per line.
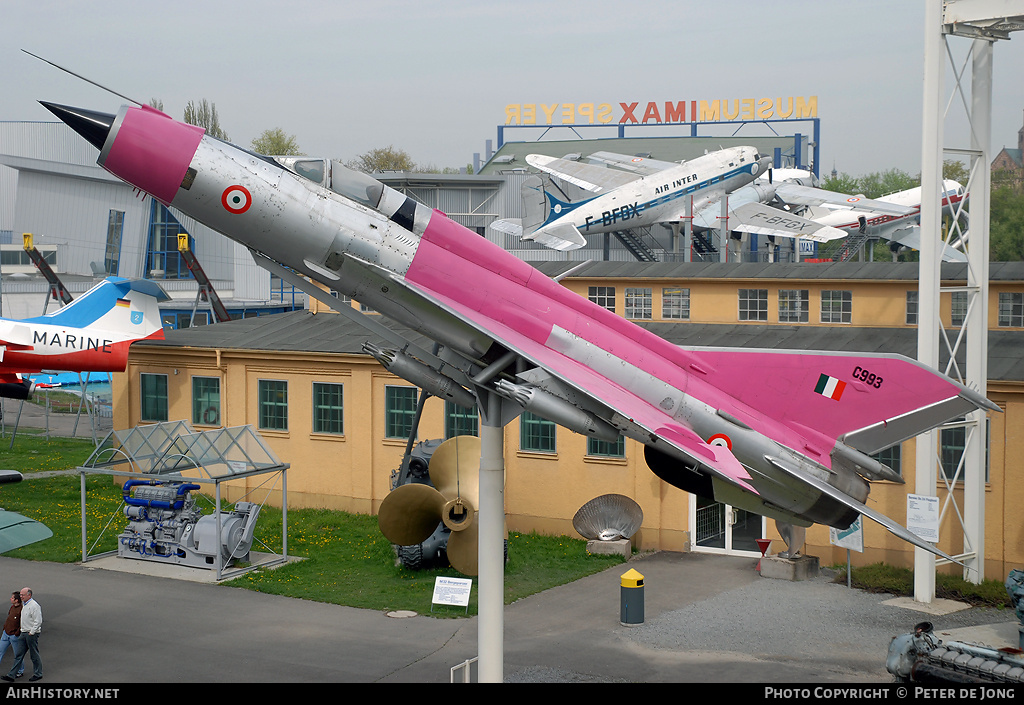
<point x="130" y="306"/>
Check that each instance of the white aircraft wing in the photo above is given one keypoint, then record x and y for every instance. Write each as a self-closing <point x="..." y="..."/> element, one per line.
<point x="765" y="220"/>
<point x="586" y="176"/>
<point x="642" y="166"/>
<point x="911" y="237"/>
<point x="795" y="194"/>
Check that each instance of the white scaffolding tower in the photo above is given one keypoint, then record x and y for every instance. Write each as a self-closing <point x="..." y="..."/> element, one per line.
<point x="983" y="22"/>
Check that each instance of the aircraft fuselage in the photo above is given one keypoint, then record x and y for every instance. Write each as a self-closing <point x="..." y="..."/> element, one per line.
<point x="658" y="198"/>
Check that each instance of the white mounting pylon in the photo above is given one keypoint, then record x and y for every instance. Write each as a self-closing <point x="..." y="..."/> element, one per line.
<point x="983" y="22"/>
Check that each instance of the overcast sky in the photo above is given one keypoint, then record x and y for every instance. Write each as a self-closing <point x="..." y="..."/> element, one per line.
<point x="433" y="78"/>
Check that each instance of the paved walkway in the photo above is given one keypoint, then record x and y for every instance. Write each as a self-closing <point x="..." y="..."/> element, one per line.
<point x="707" y="619"/>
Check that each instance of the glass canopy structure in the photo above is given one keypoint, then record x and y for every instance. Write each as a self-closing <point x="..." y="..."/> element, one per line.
<point x="174" y="451"/>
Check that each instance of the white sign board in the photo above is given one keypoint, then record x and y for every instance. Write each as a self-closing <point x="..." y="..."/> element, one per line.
<point x="452" y="591"/>
<point x="850" y="538"/>
<point x="923" y="516"/>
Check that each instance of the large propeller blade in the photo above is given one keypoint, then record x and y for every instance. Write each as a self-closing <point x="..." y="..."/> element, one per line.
<point x="410" y="513"/>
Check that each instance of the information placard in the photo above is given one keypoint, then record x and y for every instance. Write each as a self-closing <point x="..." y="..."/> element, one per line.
<point x="851" y="538"/>
<point x="923" y="516"/>
<point x="452" y="591"/>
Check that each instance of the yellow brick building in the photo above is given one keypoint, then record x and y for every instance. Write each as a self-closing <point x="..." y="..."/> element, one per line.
<point x="340" y="420"/>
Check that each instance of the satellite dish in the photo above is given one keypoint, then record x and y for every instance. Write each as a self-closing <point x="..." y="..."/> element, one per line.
<point x="609" y="517"/>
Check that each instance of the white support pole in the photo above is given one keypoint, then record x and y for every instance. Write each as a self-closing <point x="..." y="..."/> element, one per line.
<point x="929" y="273"/>
<point x="491" y="557"/>
<point x="977" y="318"/>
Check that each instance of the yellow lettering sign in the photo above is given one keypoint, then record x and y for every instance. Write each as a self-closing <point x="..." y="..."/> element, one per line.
<point x="722" y="110"/>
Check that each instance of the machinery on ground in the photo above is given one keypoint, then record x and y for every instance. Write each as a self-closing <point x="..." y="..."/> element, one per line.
<point x="164" y="524"/>
<point x="431" y="513"/>
<point x="921" y="657"/>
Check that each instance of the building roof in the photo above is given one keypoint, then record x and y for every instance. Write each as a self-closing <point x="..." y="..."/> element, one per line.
<point x="294" y="331"/>
<point x="832" y="271"/>
<point x="305" y="332"/>
<point x="1005" y="363"/>
<point x="1016" y="155"/>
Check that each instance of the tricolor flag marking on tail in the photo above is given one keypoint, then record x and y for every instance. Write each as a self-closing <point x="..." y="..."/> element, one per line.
<point x="124" y="303"/>
<point x="830" y="387"/>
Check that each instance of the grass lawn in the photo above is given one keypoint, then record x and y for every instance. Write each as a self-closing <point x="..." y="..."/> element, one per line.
<point x="348" y="561"/>
<point x="879" y="577"/>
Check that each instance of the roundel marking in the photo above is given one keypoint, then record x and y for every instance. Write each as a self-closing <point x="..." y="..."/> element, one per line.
<point x="852" y="199"/>
<point x="720" y="439"/>
<point x="236" y="199"/>
<point x="557" y="209"/>
<point x="637" y="159"/>
<point x="753" y="168"/>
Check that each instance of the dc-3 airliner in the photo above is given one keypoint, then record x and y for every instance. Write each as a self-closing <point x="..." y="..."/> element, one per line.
<point x="785" y="434"/>
<point x="91" y="334"/>
<point x="629" y="192"/>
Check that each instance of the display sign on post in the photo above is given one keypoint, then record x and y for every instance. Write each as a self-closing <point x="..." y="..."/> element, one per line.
<point x="453" y="592"/>
<point x="850" y="538"/>
<point x="923" y="516"/>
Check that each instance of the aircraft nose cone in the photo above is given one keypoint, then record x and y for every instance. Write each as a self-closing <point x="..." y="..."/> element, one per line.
<point x="93" y="126"/>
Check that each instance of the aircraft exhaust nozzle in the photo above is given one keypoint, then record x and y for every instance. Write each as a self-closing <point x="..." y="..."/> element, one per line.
<point x="17" y="390"/>
<point x="557" y="410"/>
<point x="90" y="124"/>
<point x="423" y="376"/>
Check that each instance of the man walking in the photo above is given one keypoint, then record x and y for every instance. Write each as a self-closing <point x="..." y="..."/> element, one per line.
<point x="31" y="626"/>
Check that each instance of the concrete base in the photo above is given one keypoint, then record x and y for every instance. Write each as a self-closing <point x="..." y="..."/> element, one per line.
<point x="623" y="547"/>
<point x="800" y="568"/>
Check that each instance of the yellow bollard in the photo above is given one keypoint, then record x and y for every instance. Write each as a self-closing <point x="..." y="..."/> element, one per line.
<point x="631" y="607"/>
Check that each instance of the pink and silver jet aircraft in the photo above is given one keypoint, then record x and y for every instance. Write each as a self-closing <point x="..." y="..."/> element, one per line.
<point x="786" y="434"/>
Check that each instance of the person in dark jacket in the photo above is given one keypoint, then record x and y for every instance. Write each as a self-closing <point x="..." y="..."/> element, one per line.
<point x="12" y="632"/>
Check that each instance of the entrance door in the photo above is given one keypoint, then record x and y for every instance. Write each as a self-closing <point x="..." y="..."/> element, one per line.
<point x="721" y="528"/>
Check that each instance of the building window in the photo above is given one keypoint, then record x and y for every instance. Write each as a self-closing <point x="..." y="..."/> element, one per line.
<point x="163" y="260"/>
<point x="273" y="401"/>
<point x="154" y="397"/>
<point x="911" y="308"/>
<point x="328" y="408"/>
<point x="1011" y="309"/>
<point x="20" y="258"/>
<point x="206" y="401"/>
<point x="603" y="296"/>
<point x="891" y="457"/>
<point x="794" y="305"/>
<point x="675" y="304"/>
<point x="958" y="308"/>
<point x="606" y="449"/>
<point x="836" y="306"/>
<point x="460" y="421"/>
<point x="639" y="303"/>
<point x="753" y="304"/>
<point x="112" y="252"/>
<point x="399" y="411"/>
<point x="536" y="435"/>
<point x="953" y="443"/>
